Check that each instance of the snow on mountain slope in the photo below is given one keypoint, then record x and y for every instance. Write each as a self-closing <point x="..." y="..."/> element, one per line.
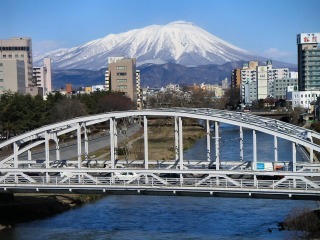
<point x="177" y="42"/>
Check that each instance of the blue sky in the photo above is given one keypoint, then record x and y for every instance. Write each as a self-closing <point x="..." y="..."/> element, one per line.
<point x="266" y="28"/>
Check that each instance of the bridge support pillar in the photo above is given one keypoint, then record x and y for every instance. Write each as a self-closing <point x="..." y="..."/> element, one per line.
<point x="254" y="147"/>
<point x="241" y="143"/>
<point x="217" y="143"/>
<point x="112" y="142"/>
<point x="79" y="144"/>
<point x="180" y="144"/>
<point x="294" y="157"/>
<point x="145" y="137"/>
<point x="275" y="148"/>
<point x="208" y="142"/>
<point x="176" y="138"/>
<point x="86" y="143"/>
<point x="15" y="155"/>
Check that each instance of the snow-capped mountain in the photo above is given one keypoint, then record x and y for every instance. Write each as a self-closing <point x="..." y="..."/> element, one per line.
<point x="177" y="42"/>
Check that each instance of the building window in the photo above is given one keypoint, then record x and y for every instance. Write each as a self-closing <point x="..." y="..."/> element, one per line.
<point x="1" y="80"/>
<point x="121" y="74"/>
<point x="121" y="67"/>
<point x="121" y="80"/>
<point x="22" y="55"/>
<point x="122" y="87"/>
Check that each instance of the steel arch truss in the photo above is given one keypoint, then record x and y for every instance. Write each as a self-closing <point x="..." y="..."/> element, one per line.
<point x="19" y="170"/>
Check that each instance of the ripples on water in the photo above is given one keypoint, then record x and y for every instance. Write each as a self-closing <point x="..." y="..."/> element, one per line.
<point x="161" y="217"/>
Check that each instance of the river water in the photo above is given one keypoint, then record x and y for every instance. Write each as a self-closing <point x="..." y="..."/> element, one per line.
<point x="175" y="217"/>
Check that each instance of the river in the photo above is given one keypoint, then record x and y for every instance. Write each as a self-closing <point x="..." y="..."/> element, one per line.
<point x="162" y="217"/>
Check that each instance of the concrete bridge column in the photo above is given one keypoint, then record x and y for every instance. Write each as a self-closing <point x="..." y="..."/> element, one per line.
<point x="241" y="143"/>
<point x="217" y="143"/>
<point x="208" y="142"/>
<point x="145" y="137"/>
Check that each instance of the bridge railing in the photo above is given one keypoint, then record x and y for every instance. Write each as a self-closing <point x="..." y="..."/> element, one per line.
<point x="148" y="180"/>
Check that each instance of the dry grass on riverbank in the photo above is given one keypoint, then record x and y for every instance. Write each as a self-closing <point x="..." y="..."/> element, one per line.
<point x="161" y="141"/>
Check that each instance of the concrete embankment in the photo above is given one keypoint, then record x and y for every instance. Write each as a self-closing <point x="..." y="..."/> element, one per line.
<point x="19" y="208"/>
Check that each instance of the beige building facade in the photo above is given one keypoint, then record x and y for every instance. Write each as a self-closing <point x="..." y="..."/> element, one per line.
<point x="12" y="76"/>
<point x="122" y="76"/>
<point x="19" y="49"/>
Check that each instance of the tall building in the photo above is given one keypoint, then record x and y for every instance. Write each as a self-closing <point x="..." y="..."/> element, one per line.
<point x="260" y="82"/>
<point x="122" y="76"/>
<point x="248" y="83"/>
<point x="12" y="75"/>
<point x="42" y="76"/>
<point x="236" y="78"/>
<point x="308" y="61"/>
<point x="19" y="49"/>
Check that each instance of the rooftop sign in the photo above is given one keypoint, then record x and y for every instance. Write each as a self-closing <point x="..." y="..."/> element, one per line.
<point x="308" y="38"/>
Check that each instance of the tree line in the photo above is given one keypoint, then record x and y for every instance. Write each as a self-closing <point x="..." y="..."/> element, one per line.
<point x="21" y="113"/>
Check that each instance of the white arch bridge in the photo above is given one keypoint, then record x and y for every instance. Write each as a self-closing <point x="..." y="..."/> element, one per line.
<point x="39" y="160"/>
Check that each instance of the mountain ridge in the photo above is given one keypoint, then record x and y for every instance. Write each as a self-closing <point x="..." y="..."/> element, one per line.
<point x="176" y="42"/>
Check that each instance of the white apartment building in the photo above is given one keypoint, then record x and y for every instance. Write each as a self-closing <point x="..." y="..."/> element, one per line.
<point x="216" y="89"/>
<point x="173" y="87"/>
<point x="42" y="76"/>
<point x="304" y="98"/>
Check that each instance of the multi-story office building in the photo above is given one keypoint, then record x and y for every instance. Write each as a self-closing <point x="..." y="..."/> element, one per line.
<point x="260" y="82"/>
<point x="248" y="86"/>
<point x="282" y="85"/>
<point x="19" y="49"/>
<point x="12" y="75"/>
<point x="42" y="76"/>
<point x="122" y="76"/>
<point x="308" y="61"/>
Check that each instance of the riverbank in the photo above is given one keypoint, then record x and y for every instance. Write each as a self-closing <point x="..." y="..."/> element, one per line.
<point x="24" y="207"/>
<point x="305" y="221"/>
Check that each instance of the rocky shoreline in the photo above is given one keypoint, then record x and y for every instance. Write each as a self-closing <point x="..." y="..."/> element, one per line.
<point x="19" y="208"/>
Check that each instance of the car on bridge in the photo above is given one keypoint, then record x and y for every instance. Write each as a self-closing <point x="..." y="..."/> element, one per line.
<point x="126" y="176"/>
